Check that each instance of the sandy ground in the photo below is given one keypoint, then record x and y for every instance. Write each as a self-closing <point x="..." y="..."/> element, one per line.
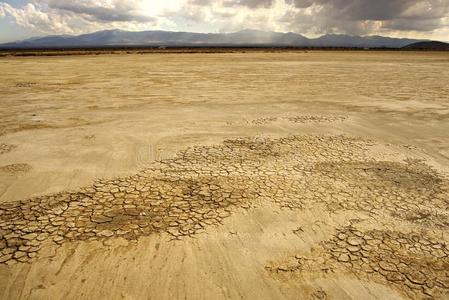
<point x="313" y="175"/>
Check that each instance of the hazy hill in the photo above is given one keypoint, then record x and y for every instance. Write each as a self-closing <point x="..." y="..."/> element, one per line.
<point x="240" y="38"/>
<point x="428" y="45"/>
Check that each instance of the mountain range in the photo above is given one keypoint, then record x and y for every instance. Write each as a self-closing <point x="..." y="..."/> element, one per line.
<point x="120" y="38"/>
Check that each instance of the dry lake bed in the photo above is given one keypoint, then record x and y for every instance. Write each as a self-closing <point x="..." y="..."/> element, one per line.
<point x="294" y="175"/>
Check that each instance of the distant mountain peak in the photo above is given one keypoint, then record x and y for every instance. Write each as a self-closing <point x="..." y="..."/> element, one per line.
<point x="249" y="30"/>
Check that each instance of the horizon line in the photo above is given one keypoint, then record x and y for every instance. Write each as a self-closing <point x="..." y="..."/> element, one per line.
<point x="217" y="33"/>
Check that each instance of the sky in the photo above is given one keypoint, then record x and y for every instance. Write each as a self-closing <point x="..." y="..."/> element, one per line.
<point x="427" y="19"/>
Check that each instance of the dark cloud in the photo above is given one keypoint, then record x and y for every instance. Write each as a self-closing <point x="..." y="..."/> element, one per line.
<point x="200" y="2"/>
<point x="255" y="3"/>
<point x="355" y="15"/>
<point x="234" y="3"/>
<point x="379" y="9"/>
<point x="358" y="9"/>
<point x="119" y="11"/>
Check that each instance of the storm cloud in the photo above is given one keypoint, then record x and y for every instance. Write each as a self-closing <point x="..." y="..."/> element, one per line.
<point x="408" y="18"/>
<point x="421" y="15"/>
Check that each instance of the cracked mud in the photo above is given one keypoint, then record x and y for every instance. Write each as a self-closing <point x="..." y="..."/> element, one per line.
<point x="409" y="190"/>
<point x="304" y="119"/>
<point x="203" y="185"/>
<point x="5" y="148"/>
<point x="15" y="169"/>
<point x="413" y="262"/>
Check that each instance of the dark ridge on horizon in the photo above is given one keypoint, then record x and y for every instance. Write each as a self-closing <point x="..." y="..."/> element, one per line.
<point x="428" y="45"/>
<point x="244" y="38"/>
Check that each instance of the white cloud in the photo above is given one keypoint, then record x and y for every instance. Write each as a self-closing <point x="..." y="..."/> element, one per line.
<point x="31" y="17"/>
<point x="58" y="16"/>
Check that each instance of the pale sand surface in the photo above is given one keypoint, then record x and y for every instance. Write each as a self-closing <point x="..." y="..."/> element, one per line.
<point x="320" y="175"/>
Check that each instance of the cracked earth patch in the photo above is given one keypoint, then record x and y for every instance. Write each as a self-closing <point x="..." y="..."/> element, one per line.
<point x="15" y="169"/>
<point x="413" y="262"/>
<point x="203" y="185"/>
<point x="304" y="119"/>
<point x="409" y="190"/>
<point x="5" y="148"/>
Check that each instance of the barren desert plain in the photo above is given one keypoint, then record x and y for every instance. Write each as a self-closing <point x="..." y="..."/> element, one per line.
<point x="247" y="175"/>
